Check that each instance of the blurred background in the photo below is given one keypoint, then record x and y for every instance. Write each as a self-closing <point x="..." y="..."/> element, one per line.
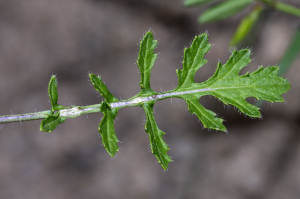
<point x="38" y="38"/>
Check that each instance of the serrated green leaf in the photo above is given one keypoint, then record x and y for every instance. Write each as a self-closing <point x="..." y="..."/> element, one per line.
<point x="193" y="59"/>
<point x="158" y="146"/>
<point x="101" y="88"/>
<point x="51" y="122"/>
<point x="107" y="129"/>
<point x="207" y="117"/>
<point x="223" y="10"/>
<point x="246" y="25"/>
<point x="230" y="87"/>
<point x="146" y="60"/>
<point x="189" y="3"/>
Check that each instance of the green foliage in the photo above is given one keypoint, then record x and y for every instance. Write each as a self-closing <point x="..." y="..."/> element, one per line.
<point x="193" y="59"/>
<point x="146" y="60"/>
<point x="223" y="10"/>
<point x="52" y="90"/>
<point x="196" y="2"/>
<point x="226" y="85"/>
<point x="158" y="146"/>
<point x="227" y="8"/>
<point x="54" y="119"/>
<point x="246" y="25"/>
<point x="51" y="122"/>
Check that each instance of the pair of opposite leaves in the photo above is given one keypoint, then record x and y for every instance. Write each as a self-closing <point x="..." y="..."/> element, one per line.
<point x="226" y="85"/>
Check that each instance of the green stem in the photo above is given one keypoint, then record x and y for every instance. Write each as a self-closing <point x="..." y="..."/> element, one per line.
<point x="68" y="112"/>
<point x="282" y="7"/>
<point x="24" y="117"/>
<point x="75" y="111"/>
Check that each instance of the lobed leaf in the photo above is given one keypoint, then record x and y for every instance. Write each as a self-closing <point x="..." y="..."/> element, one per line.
<point x="146" y="60"/>
<point x="207" y="117"/>
<point x="51" y="122"/>
<point x="158" y="146"/>
<point x="227" y="85"/>
<point x="223" y="10"/>
<point x="52" y="90"/>
<point x="107" y="129"/>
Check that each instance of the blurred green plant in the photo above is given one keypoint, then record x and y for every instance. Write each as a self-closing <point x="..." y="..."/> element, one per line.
<point x="219" y="10"/>
<point x="291" y="53"/>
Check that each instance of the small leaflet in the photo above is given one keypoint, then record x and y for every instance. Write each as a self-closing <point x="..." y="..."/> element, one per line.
<point x="207" y="117"/>
<point x="158" y="146"/>
<point x="102" y="88"/>
<point x="51" y="122"/>
<point x="106" y="127"/>
<point x="226" y="85"/>
<point x="53" y="95"/>
<point x="193" y="59"/>
<point x="189" y="3"/>
<point x="146" y="60"/>
<point x="231" y="88"/>
<point x="246" y="25"/>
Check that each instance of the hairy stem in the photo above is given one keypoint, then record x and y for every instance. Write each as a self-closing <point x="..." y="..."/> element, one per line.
<point x="75" y="111"/>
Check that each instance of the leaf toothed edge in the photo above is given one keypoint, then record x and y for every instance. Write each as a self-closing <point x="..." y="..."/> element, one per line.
<point x="226" y="84"/>
<point x="158" y="146"/>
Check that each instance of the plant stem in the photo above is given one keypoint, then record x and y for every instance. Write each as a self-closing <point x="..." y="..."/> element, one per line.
<point x="75" y="111"/>
<point x="68" y="112"/>
<point x="24" y="117"/>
